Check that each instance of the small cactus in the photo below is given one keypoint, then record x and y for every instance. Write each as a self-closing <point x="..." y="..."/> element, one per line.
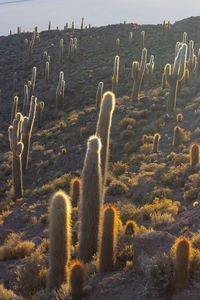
<point x="194" y="155"/>
<point x="108" y="239"/>
<point x="137" y="74"/>
<point x="99" y="96"/>
<point x="178" y="136"/>
<point x="179" y="118"/>
<point x="77" y="280"/>
<point x="60" y="240"/>
<point x="182" y="263"/>
<point x="90" y="200"/>
<point x="75" y="187"/>
<point x="130" y="227"/>
<point x="156" y="140"/>
<point x="115" y="77"/>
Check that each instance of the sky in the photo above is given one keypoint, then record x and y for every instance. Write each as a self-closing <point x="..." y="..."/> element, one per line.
<point x="31" y="13"/>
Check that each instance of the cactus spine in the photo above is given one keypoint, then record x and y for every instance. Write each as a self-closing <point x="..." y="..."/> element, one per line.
<point x="194" y="155"/>
<point x="60" y="92"/>
<point x="108" y="239"/>
<point x="60" y="240"/>
<point x="156" y="140"/>
<point x="27" y="127"/>
<point x="77" y="280"/>
<point x="75" y="187"/>
<point x="91" y="200"/>
<point x="174" y="75"/>
<point x="137" y="74"/>
<point x="150" y="68"/>
<point x="99" y="96"/>
<point x="14" y="133"/>
<point x="115" y="77"/>
<point x="103" y="129"/>
<point x="14" y="108"/>
<point x="182" y="263"/>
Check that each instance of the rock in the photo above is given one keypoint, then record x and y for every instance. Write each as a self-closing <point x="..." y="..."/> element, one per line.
<point x="147" y="245"/>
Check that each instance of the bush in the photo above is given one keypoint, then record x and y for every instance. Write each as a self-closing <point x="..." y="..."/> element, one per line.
<point x="8" y="294"/>
<point x="127" y="121"/>
<point x="119" y="168"/>
<point x="117" y="187"/>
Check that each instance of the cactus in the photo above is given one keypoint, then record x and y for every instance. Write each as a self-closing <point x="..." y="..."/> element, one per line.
<point x="40" y="108"/>
<point x="82" y="20"/>
<point x="178" y="136"/>
<point x="14" y="133"/>
<point x="71" y="48"/>
<point x="60" y="92"/>
<point x="75" y="187"/>
<point x="31" y="45"/>
<point x="194" y="154"/>
<point x="130" y="38"/>
<point x="179" y="118"/>
<point x="26" y="100"/>
<point x="115" y="77"/>
<point x="137" y="74"/>
<point x="118" y="42"/>
<point x="90" y="200"/>
<point x="61" y="51"/>
<point x="99" y="96"/>
<point x="142" y="40"/>
<point x="49" y="27"/>
<point x="47" y="72"/>
<point x="182" y="263"/>
<point x="77" y="279"/>
<point x="60" y="240"/>
<point x="72" y="31"/>
<point x="44" y="59"/>
<point x="27" y="127"/>
<point x="103" y="129"/>
<point x="191" y="63"/>
<point x="33" y="80"/>
<point x="163" y="81"/>
<point x="184" y="41"/>
<point x="156" y="140"/>
<point x="107" y="239"/>
<point x="14" y="108"/>
<point x="75" y="46"/>
<point x="150" y="68"/>
<point x="175" y="75"/>
<point x="130" y="227"/>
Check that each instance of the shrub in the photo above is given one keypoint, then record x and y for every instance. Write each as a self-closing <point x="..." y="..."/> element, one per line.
<point x="117" y="187"/>
<point x="119" y="168"/>
<point x="127" y="121"/>
<point x="8" y="294"/>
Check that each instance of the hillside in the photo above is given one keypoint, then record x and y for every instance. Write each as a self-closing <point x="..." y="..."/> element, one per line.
<point x="160" y="191"/>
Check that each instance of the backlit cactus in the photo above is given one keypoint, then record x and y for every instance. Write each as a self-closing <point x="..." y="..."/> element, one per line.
<point x="179" y="118"/>
<point x="99" y="96"/>
<point x="26" y="100"/>
<point x="194" y="154"/>
<point x="61" y="51"/>
<point x="47" y="72"/>
<point x="49" y="27"/>
<point x="130" y="227"/>
<point x="156" y="140"/>
<point x="14" y="108"/>
<point x="90" y="200"/>
<point x="75" y="187"/>
<point x="40" y="108"/>
<point x="115" y="77"/>
<point x="130" y="37"/>
<point x="27" y="127"/>
<point x="191" y="63"/>
<point x="14" y="133"/>
<point x="33" y="80"/>
<point x="142" y="40"/>
<point x="77" y="280"/>
<point x="182" y="263"/>
<point x="103" y="129"/>
<point x="174" y="75"/>
<point x="150" y="68"/>
<point x="60" y="92"/>
<point x="60" y="240"/>
<point x="107" y="239"/>
<point x="82" y="21"/>
<point x="137" y="74"/>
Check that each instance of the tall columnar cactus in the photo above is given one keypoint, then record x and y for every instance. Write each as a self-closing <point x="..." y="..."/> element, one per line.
<point x="44" y="60"/>
<point x="182" y="263"/>
<point x="14" y="108"/>
<point x="163" y="81"/>
<point x="103" y="129"/>
<point x="198" y="63"/>
<point x="150" y="68"/>
<point x="82" y="21"/>
<point x="27" y="127"/>
<point x="40" y="108"/>
<point x="108" y="239"/>
<point x="91" y="200"/>
<point x="99" y="96"/>
<point x="49" y="27"/>
<point x="177" y="48"/>
<point x="137" y="74"/>
<point x="71" y="48"/>
<point x="72" y="31"/>
<point x="156" y="140"/>
<point x="60" y="240"/>
<point x="31" y="45"/>
<point x="184" y="41"/>
<point x="174" y="75"/>
<point x="75" y="46"/>
<point x="178" y="136"/>
<point x="194" y="154"/>
<point x="60" y="92"/>
<point x="14" y="133"/>
<point x="142" y="40"/>
<point x="33" y="80"/>
<point x="130" y="38"/>
<point x="47" y="72"/>
<point x="26" y="100"/>
<point x="77" y="279"/>
<point x="61" y="51"/>
<point x="75" y="188"/>
<point x="115" y="77"/>
<point x="191" y="63"/>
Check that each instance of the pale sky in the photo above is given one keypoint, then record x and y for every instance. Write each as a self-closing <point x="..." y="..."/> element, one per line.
<point x="30" y="13"/>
